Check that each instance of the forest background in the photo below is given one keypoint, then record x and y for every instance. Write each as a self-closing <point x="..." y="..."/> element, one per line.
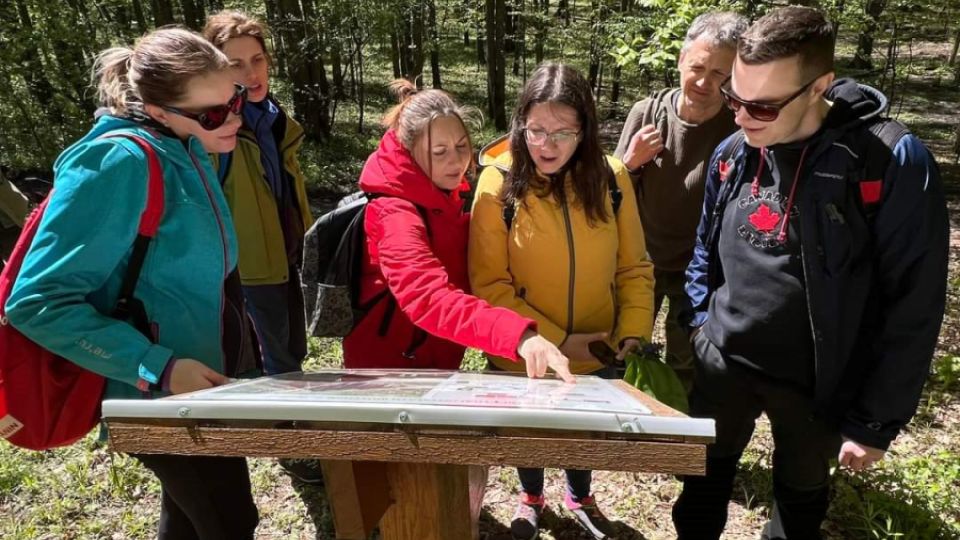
<point x="332" y="62"/>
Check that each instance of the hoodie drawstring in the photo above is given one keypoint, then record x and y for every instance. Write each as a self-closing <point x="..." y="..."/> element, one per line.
<point x="755" y="189"/>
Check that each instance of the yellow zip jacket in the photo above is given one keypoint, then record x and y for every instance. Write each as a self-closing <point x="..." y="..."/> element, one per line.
<point x="555" y="268"/>
<point x="263" y="254"/>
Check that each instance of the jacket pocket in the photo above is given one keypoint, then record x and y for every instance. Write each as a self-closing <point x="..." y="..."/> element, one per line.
<point x="836" y="239"/>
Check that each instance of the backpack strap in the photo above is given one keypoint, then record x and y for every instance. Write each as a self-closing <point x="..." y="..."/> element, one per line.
<point x="616" y="198"/>
<point x="876" y="151"/>
<point x="725" y="160"/>
<point x="128" y="308"/>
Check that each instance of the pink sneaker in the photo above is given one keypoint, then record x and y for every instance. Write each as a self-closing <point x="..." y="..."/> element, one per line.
<point x="589" y="516"/>
<point x="524" y="525"/>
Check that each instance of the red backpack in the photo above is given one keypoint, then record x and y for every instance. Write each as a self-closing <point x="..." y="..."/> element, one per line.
<point x="45" y="400"/>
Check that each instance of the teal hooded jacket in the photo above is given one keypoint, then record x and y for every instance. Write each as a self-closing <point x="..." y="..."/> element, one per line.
<point x="71" y="277"/>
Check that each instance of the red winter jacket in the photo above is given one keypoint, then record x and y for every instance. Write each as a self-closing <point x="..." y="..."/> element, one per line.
<point x="428" y="319"/>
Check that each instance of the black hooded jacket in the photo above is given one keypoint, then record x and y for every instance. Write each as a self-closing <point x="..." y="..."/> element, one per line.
<point x="874" y="254"/>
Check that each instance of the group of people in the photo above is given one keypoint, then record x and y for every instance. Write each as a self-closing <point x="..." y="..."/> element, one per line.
<point x="798" y="284"/>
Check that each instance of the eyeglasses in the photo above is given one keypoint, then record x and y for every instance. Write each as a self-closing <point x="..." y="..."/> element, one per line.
<point x="214" y="117"/>
<point x="764" y="112"/>
<point x="539" y="137"/>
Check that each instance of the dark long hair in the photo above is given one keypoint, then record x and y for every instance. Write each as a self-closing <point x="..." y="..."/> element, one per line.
<point x="588" y="167"/>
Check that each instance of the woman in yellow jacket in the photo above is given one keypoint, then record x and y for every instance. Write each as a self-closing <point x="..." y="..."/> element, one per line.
<point x="555" y="236"/>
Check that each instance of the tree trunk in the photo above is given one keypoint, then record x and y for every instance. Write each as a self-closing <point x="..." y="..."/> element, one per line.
<point x="863" y="57"/>
<point x="311" y="93"/>
<point x="434" y="45"/>
<point x="520" y="38"/>
<point x="596" y="18"/>
<point x="162" y="12"/>
<point x="395" y="55"/>
<point x="417" y="49"/>
<point x="358" y="51"/>
<point x="139" y="17"/>
<point x="481" y="39"/>
<point x="956" y="48"/>
<point x="279" y="45"/>
<point x="541" y="37"/>
<point x="563" y="12"/>
<point x="336" y="64"/>
<point x="193" y="14"/>
<point x="496" y="65"/>
<point x="31" y="62"/>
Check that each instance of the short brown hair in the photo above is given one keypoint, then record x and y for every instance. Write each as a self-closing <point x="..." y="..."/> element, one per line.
<point x="787" y="32"/>
<point x="223" y="26"/>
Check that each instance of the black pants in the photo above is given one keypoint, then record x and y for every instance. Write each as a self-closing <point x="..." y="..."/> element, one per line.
<point x="803" y="447"/>
<point x="203" y="498"/>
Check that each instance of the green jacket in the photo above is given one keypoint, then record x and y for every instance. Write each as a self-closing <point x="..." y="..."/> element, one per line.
<point x="263" y="254"/>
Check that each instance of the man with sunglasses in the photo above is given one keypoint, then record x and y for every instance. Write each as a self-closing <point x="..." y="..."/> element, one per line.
<point x="665" y="145"/>
<point x="817" y="286"/>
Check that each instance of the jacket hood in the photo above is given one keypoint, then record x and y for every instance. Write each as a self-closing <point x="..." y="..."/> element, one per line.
<point x="853" y="104"/>
<point x="167" y="146"/>
<point x="391" y="170"/>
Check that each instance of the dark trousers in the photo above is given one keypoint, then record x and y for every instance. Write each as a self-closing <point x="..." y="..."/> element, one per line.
<point x="679" y="355"/>
<point x="803" y="447"/>
<point x="277" y="312"/>
<point x="203" y="497"/>
<point x="578" y="481"/>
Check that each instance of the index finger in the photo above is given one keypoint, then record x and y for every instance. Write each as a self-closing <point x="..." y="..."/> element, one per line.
<point x="564" y="373"/>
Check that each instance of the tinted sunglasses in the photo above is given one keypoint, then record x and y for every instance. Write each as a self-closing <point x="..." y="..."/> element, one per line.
<point x="764" y="112"/>
<point x="214" y="117"/>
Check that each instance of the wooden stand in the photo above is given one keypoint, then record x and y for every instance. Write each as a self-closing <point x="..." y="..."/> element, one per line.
<point x="422" y="483"/>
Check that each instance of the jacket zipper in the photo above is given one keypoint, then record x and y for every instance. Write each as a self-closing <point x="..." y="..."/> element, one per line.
<point x="223" y="243"/>
<point x="573" y="267"/>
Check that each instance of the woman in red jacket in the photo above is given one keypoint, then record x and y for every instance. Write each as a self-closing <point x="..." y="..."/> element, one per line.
<point x="416" y="230"/>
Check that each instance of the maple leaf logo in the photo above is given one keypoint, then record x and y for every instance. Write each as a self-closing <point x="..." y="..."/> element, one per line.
<point x="764" y="220"/>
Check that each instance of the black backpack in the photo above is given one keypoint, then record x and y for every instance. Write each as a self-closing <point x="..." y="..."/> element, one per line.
<point x="333" y="254"/>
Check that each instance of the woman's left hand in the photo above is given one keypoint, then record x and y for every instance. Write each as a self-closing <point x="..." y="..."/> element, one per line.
<point x="629" y="345"/>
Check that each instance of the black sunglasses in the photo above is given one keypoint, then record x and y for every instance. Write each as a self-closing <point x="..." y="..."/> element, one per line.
<point x="764" y="112"/>
<point x="214" y="117"/>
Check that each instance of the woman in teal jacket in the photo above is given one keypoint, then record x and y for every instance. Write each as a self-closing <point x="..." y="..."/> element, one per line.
<point x="265" y="189"/>
<point x="174" y="90"/>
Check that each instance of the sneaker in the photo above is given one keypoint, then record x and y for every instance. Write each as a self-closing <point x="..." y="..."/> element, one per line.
<point x="524" y="526"/>
<point x="307" y="471"/>
<point x="589" y="516"/>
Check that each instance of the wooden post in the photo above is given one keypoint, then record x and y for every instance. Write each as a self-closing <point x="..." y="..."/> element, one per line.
<point x="433" y="502"/>
<point x="358" y="494"/>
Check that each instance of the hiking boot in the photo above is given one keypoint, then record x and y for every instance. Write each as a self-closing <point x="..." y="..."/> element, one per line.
<point x="589" y="516"/>
<point x="524" y="526"/>
<point x="307" y="471"/>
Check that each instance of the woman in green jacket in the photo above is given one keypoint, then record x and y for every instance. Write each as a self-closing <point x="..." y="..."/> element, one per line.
<point x="264" y="187"/>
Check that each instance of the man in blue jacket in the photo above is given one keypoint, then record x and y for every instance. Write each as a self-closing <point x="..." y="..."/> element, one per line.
<point x="818" y="281"/>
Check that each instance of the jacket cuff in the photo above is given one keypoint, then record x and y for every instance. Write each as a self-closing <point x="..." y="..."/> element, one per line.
<point x="512" y="336"/>
<point x="872" y="434"/>
<point x="152" y="366"/>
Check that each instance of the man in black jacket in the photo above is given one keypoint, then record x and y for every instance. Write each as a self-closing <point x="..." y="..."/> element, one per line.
<point x="818" y="282"/>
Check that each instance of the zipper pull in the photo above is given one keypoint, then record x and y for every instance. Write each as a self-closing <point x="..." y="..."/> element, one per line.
<point x="834" y="214"/>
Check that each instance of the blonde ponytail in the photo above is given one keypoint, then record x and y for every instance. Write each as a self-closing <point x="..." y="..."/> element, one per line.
<point x="111" y="76"/>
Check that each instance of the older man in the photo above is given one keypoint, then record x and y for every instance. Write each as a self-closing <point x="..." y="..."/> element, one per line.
<point x="666" y="144"/>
